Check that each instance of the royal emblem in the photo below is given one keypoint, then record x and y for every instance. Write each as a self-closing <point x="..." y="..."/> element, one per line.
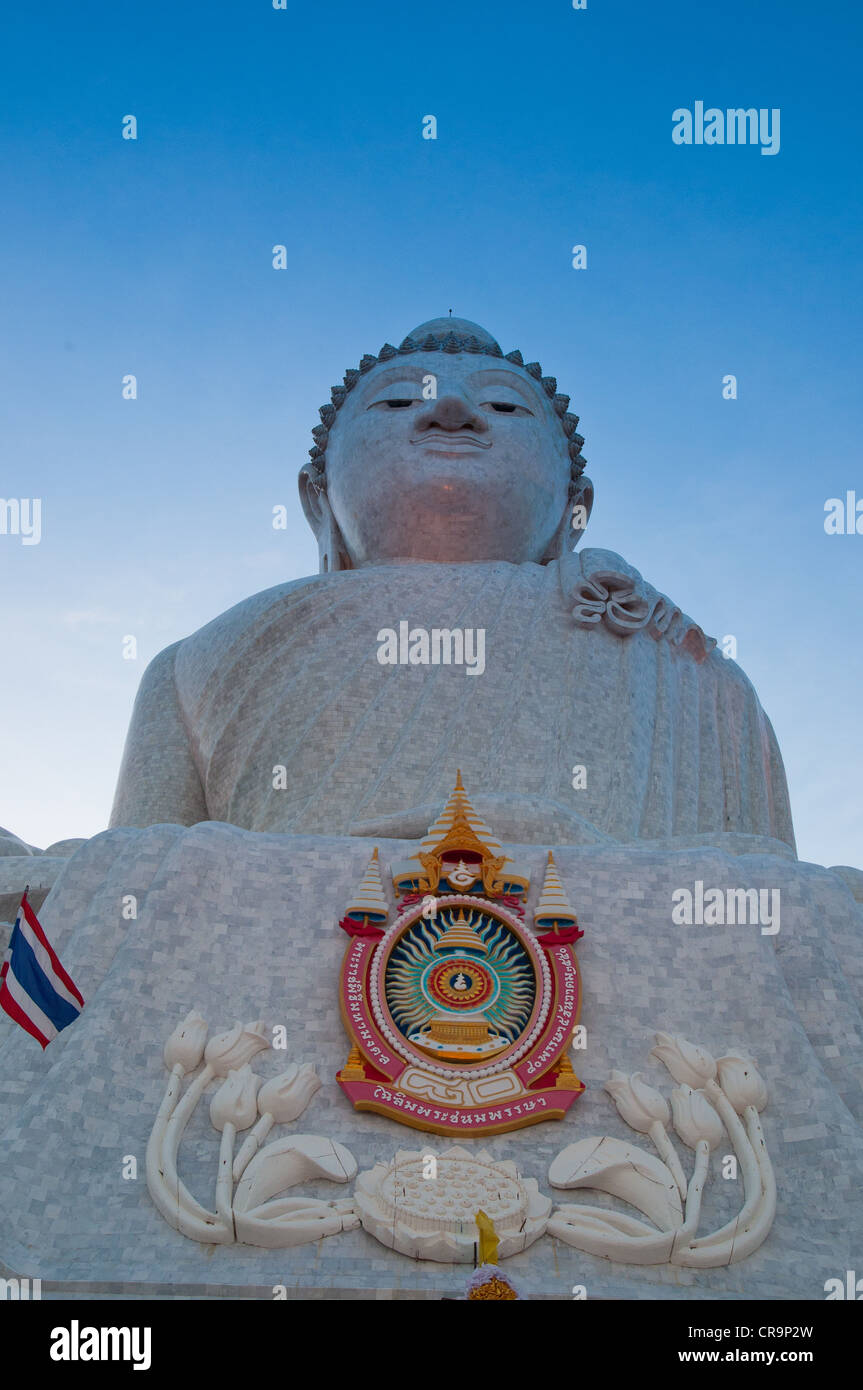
<point x="461" y="1015"/>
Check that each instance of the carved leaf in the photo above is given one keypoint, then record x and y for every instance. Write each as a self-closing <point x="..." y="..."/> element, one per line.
<point x="286" y="1162"/>
<point x="622" y="1170"/>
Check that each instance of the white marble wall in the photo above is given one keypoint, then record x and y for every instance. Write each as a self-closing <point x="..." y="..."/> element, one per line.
<point x="242" y="925"/>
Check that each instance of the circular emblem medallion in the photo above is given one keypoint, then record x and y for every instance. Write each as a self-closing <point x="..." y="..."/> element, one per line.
<point x="460" y="983"/>
<point x="466" y="985"/>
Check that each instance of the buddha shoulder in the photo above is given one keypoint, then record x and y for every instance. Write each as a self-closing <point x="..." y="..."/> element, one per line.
<point x="248" y="628"/>
<point x="603" y="589"/>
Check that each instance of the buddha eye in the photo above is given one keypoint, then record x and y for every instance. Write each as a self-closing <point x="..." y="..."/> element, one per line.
<point x="506" y="408"/>
<point x="393" y="403"/>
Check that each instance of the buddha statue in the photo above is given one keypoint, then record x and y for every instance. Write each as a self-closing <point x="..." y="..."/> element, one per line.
<point x="459" y="636"/>
<point x="447" y="491"/>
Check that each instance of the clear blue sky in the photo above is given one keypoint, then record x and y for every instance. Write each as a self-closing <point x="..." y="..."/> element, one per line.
<point x="303" y="127"/>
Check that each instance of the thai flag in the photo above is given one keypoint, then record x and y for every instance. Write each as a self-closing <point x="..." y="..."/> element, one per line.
<point x="34" y="988"/>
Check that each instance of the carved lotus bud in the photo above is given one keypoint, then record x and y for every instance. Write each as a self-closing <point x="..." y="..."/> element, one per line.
<point x="516" y="357"/>
<point x="351" y="377"/>
<point x="233" y="1049"/>
<point x="367" y="362"/>
<point x="185" y="1047"/>
<point x="561" y="404"/>
<point x="742" y="1082"/>
<point x="327" y="413"/>
<point x="534" y="369"/>
<point x="691" y="1065"/>
<point x="694" y="1118"/>
<point x="386" y="352"/>
<point x="429" y="343"/>
<point x="235" y="1102"/>
<point x="286" y="1096"/>
<point x="549" y="385"/>
<point x="639" y="1104"/>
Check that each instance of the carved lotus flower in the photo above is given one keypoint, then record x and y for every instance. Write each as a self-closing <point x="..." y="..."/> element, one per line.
<point x="742" y="1082"/>
<point x="185" y="1047"/>
<point x="690" y="1065"/>
<point x="433" y="1216"/>
<point x="235" y="1102"/>
<point x="286" y="1096"/>
<point x="694" y="1118"/>
<point x="639" y="1104"/>
<point x="232" y="1050"/>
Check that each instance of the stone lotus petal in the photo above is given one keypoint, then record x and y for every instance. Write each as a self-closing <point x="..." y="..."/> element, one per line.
<point x="742" y="1082"/>
<point x="231" y="1050"/>
<point x="625" y="1171"/>
<point x="185" y="1047"/>
<point x="235" y="1102"/>
<point x="286" y="1162"/>
<point x="690" y="1065"/>
<point x="286" y="1096"/>
<point x="695" y="1119"/>
<point x="639" y="1104"/>
<point x="293" y="1221"/>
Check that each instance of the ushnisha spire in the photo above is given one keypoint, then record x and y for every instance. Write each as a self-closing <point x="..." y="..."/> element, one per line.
<point x="459" y="935"/>
<point x="369" y="901"/>
<point x="553" y="909"/>
<point x="462" y="849"/>
<point x="442" y="335"/>
<point x="458" y="811"/>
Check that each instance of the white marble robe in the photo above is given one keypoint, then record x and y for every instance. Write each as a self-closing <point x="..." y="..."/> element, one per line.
<point x="585" y="665"/>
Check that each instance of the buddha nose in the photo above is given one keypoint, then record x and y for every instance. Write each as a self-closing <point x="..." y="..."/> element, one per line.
<point x="452" y="411"/>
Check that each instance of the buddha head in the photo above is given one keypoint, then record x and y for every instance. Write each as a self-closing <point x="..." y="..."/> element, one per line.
<point x="445" y="450"/>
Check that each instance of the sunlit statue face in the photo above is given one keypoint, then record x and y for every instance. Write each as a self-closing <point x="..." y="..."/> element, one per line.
<point x="477" y="471"/>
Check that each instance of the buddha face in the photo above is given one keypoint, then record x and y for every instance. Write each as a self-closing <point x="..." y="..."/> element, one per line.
<point x="477" y="471"/>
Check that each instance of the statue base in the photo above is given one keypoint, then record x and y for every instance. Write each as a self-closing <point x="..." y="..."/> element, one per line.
<point x="152" y="923"/>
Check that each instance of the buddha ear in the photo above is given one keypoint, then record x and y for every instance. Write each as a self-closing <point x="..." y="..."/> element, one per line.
<point x="573" y="522"/>
<point x="332" y="554"/>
